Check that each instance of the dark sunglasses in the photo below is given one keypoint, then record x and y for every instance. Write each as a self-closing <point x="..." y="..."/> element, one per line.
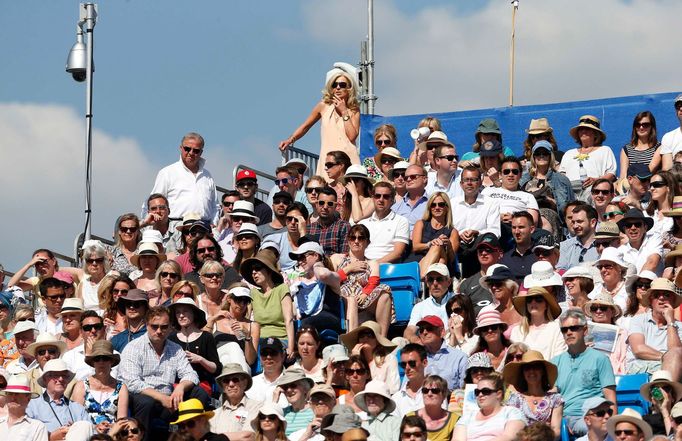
<point x="269" y="353"/>
<point x="514" y="357"/>
<point x="514" y="171"/>
<point x="388" y="160"/>
<point x="626" y="432"/>
<point x="339" y="84"/>
<point x="602" y="192"/>
<point x="194" y="233"/>
<point x="262" y="417"/>
<point x="491" y="328"/>
<point x="485" y="391"/>
<point x="359" y="371"/>
<point x="457" y="310"/>
<point x="310" y="190"/>
<point x="165" y="274"/>
<point x="127" y="229"/>
<point x="192" y="150"/>
<point x="280" y="201"/>
<point x="632" y="224"/>
<point x="574" y="328"/>
<point x="357" y="237"/>
<point x="410" y="363"/>
<point x="538" y="299"/>
<point x="595" y="308"/>
<point x="450" y="157"/>
<point x="327" y="203"/>
<point x="119" y="291"/>
<point x="95" y="326"/>
<point x="330" y="164"/>
<point x="100" y="358"/>
<point x="246" y="184"/>
<point x="212" y="275"/>
<point x="292" y="219"/>
<point x="228" y="204"/>
<point x="657" y="184"/>
<point x="644" y="125"/>
<point x="542" y="252"/>
<point x="189" y="424"/>
<point x="56" y="298"/>
<point x="439" y="205"/>
<point x="600" y="413"/>
<point x="125" y="432"/>
<point x="366" y="334"/>
<point x="642" y="285"/>
<point x="439" y="279"/>
<point x="409" y="178"/>
<point x="205" y="250"/>
<point x="378" y="196"/>
<point x="383" y="142"/>
<point x="135" y="304"/>
<point x="98" y="260"/>
<point x="43" y="351"/>
<point x="433" y="390"/>
<point x="398" y="174"/>
<point x="283" y="181"/>
<point x="159" y="327"/>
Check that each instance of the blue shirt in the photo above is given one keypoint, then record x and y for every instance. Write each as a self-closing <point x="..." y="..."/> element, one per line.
<point x="572" y="253"/>
<point x="55" y="414"/>
<point x="412" y="213"/>
<point x="121" y="340"/>
<point x="582" y="377"/>
<point x="449" y="363"/>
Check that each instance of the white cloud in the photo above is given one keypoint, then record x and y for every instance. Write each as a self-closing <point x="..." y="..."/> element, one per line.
<point x="436" y="60"/>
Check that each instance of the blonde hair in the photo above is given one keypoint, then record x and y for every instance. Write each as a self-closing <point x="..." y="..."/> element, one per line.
<point x="431" y="122"/>
<point x="534" y="168"/>
<point x="427" y="213"/>
<point x="525" y="321"/>
<point x="351" y="101"/>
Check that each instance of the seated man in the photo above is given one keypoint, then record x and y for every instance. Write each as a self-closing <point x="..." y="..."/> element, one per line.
<point x="16" y="425"/>
<point x="409" y="398"/>
<point x="46" y="347"/>
<point x="442" y="359"/>
<point x="53" y="294"/>
<point x="389" y="233"/>
<point x="329" y="230"/>
<point x="135" y="306"/>
<point x="596" y="413"/>
<point x="654" y="340"/>
<point x="157" y="372"/>
<point x="509" y="195"/>
<point x="238" y="410"/>
<point x="489" y="253"/>
<point x="638" y="180"/>
<point x="644" y="249"/>
<point x="25" y="333"/>
<point x="438" y="282"/>
<point x="280" y="201"/>
<point x="60" y="415"/>
<point x="520" y="258"/>
<point x="92" y="329"/>
<point x="264" y="384"/>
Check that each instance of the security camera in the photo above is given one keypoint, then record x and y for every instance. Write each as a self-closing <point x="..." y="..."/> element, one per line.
<point x="79" y="75"/>
<point x="77" y="60"/>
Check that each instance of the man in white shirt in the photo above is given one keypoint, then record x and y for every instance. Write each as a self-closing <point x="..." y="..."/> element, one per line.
<point x="671" y="143"/>
<point x="643" y="250"/>
<point x="509" y="196"/>
<point x="186" y="184"/>
<point x="16" y="425"/>
<point x="438" y="281"/>
<point x="234" y="416"/>
<point x="53" y="294"/>
<point x="389" y="233"/>
<point x="409" y="397"/>
<point x="447" y="175"/>
<point x="25" y="333"/>
<point x="92" y="329"/>
<point x="264" y="384"/>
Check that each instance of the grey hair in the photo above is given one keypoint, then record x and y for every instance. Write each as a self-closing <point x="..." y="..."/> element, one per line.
<point x="513" y="286"/>
<point x="573" y="314"/>
<point x="95" y="247"/>
<point x="195" y="136"/>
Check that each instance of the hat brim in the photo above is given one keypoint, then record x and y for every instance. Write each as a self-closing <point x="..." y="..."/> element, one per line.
<point x="500" y="323"/>
<point x="670" y="257"/>
<point x="242" y="214"/>
<point x="249" y="380"/>
<point x="649" y="222"/>
<point x="574" y="132"/>
<point x="389" y="404"/>
<point x="41" y="379"/>
<point x="246" y="270"/>
<point x="255" y="421"/>
<point x="351" y="339"/>
<point x="512" y="372"/>
<point x="189" y="416"/>
<point x="358" y="176"/>
<point x="199" y="314"/>
<point x="588" y="305"/>
<point x="115" y="358"/>
<point x="539" y="131"/>
<point x="520" y="302"/>
<point x="135" y="258"/>
<point x="554" y="280"/>
<point x="31" y="349"/>
<point x="643" y="425"/>
<point x="645" y="390"/>
<point x="677" y="299"/>
<point x="4" y="393"/>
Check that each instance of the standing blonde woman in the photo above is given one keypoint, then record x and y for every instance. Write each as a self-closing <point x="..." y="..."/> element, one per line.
<point x="339" y="116"/>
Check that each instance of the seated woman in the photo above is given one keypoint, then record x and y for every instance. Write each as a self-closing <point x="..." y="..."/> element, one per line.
<point x="662" y="392"/>
<point x="358" y="193"/>
<point x="232" y="323"/>
<point x="601" y="309"/>
<point x="316" y="290"/>
<point x="111" y="288"/>
<point x="461" y="323"/>
<point x="167" y="275"/>
<point x="499" y="280"/>
<point x="613" y="269"/>
<point x="248" y="243"/>
<point x="478" y="366"/>
<point x="493" y="421"/>
<point x="387" y="159"/>
<point x="104" y="397"/>
<point x="335" y="165"/>
<point x="296" y="223"/>
<point x="533" y="380"/>
<point x="269" y="424"/>
<point x="491" y="340"/>
<point x="296" y="388"/>
<point x="184" y="288"/>
<point x="309" y="353"/>
<point x="199" y="346"/>
<point x="376" y="403"/>
<point x="384" y="136"/>
<point x="543" y="182"/>
<point x="211" y="300"/>
<point x="643" y="147"/>
<point x="488" y="130"/>
<point x="365" y="297"/>
<point x="538" y="328"/>
<point x="434" y="239"/>
<point x="377" y="351"/>
<point x="126" y="238"/>
<point x="579" y="282"/>
<point x="270" y="299"/>
<point x="440" y="423"/>
<point x="636" y="286"/>
<point x="357" y="376"/>
<point x="147" y="259"/>
<point x="540" y="130"/>
<point x="95" y="267"/>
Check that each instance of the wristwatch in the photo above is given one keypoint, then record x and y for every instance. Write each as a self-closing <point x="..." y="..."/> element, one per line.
<point x="346" y="118"/>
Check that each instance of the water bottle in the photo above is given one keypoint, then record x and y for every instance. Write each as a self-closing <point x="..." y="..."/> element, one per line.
<point x="656" y="394"/>
<point x="583" y="172"/>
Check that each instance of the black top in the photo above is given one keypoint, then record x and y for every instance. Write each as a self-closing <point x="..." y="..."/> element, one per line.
<point x="519" y="264"/>
<point x="479" y="296"/>
<point x="206" y="347"/>
<point x="210" y="436"/>
<point x="263" y="211"/>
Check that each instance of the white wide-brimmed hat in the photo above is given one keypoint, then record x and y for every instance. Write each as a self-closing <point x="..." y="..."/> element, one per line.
<point x="56" y="365"/>
<point x="630" y="416"/>
<point x="376" y="387"/>
<point x="46" y="339"/>
<point x="542" y="274"/>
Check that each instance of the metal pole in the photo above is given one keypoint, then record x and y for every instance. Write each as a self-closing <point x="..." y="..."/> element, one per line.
<point x="370" y="56"/>
<point x="89" y="24"/>
<point x="363" y="69"/>
<point x="515" y="4"/>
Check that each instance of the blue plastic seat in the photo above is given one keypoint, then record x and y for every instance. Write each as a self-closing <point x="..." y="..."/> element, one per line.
<point x="627" y="393"/>
<point x="403" y="278"/>
<point x="565" y="434"/>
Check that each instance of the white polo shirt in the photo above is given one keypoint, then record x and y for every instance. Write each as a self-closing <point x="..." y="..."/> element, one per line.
<point x="404" y="403"/>
<point x="482" y="216"/>
<point x="672" y="142"/>
<point x="384" y="232"/>
<point x="652" y="245"/>
<point x="510" y="201"/>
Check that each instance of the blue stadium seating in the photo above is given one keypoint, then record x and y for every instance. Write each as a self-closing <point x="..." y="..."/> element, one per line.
<point x="403" y="278"/>
<point x="627" y="393"/>
<point x="565" y="434"/>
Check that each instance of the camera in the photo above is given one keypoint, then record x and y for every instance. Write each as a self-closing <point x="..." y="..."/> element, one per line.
<point x="420" y="134"/>
<point x="79" y="75"/>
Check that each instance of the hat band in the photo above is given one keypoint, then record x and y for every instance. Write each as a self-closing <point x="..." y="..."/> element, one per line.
<point x="677" y="205"/>
<point x="148" y="253"/>
<point x="18" y="388"/>
<point x="607" y="234"/>
<point x="71" y="308"/>
<point x="241" y="211"/>
<point x="190" y="411"/>
<point x="589" y="122"/>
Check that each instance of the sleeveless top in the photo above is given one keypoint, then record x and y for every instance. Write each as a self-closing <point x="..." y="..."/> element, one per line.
<point x="640" y="156"/>
<point x="106" y="410"/>
<point x="333" y="137"/>
<point x="429" y="233"/>
<point x="444" y="433"/>
<point x="89" y="292"/>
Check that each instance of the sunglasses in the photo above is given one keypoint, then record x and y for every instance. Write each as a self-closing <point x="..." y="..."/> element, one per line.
<point x="537" y="299"/>
<point x="410" y="363"/>
<point x="643" y="125"/>
<point x="136" y="304"/>
<point x="574" y="328"/>
<point x="450" y="157"/>
<point x="611" y="214"/>
<point x="457" y="310"/>
<point x="388" y="160"/>
<point x="359" y="371"/>
<point x="228" y="204"/>
<point x="600" y="413"/>
<point x="292" y="219"/>
<point x="125" y="432"/>
<point x="514" y="171"/>
<point x="439" y="279"/>
<point x="423" y="329"/>
<point x="657" y="184"/>
<point x="95" y="326"/>
<point x="383" y="142"/>
<point x="603" y="244"/>
<point x="642" y="285"/>
<point x="212" y="275"/>
<point x="542" y="153"/>
<point x="330" y="164"/>
<point x="384" y="196"/>
<point x="205" y="250"/>
<point x="439" y="205"/>
<point x="246" y="184"/>
<point x="98" y="261"/>
<point x="626" y="432"/>
<point x="433" y="390"/>
<point x="189" y="424"/>
<point x="257" y="267"/>
<point x="357" y="237"/>
<point x="101" y="358"/>
<point x="339" y="84"/>
<point x="194" y="233"/>
<point x="485" y="391"/>
<point x="232" y="379"/>
<point x="409" y="178"/>
<point x="165" y="274"/>
<point x="128" y="230"/>
<point x="491" y="328"/>
<point x="280" y="201"/>
<point x="398" y="174"/>
<point x="283" y="181"/>
<point x="119" y="291"/>
<point x="56" y="298"/>
<point x="192" y="150"/>
<point x="43" y="351"/>
<point x="269" y="353"/>
<point x="329" y="204"/>
<point x="410" y="435"/>
<point x="262" y="417"/>
<point x="595" y="308"/>
<point x="514" y="357"/>
<point x="605" y="266"/>
<point x="602" y="192"/>
<point x="310" y="190"/>
<point x="159" y="327"/>
<point x="633" y="224"/>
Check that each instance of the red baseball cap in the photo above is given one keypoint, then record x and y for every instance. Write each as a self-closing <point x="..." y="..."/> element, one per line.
<point x="246" y="174"/>
<point x="432" y="320"/>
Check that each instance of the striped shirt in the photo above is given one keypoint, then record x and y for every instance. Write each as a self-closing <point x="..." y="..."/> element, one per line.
<point x="640" y="156"/>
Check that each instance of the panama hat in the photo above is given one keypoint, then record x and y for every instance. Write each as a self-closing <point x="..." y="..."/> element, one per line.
<point x="269" y="409"/>
<point x="191" y="408"/>
<point x="351" y="339"/>
<point x="578" y="271"/>
<point x="537" y="126"/>
<point x="18" y="384"/>
<point x="359" y="172"/>
<point x="591" y="122"/>
<point x="386" y="151"/>
<point x="188" y="220"/>
<point x="376" y="387"/>
<point x="102" y="348"/>
<point x="488" y="316"/>
<point x="294" y="374"/>
<point x="513" y="371"/>
<point x="264" y="257"/>
<point x="670" y="257"/>
<point x="662" y="284"/>
<point x="520" y="301"/>
<point x="542" y="274"/>
<point x="613" y="255"/>
<point x="46" y="339"/>
<point x="603" y="298"/>
<point x="676" y="208"/>
<point x="55" y="365"/>
<point x="246" y="229"/>
<point x="72" y="304"/>
<point x="660" y="378"/>
<point x="630" y="416"/>
<point x="243" y="209"/>
<point x="199" y="314"/>
<point x="231" y="369"/>
<point x="23" y="326"/>
<point x="147" y="249"/>
<point x="607" y="230"/>
<point x="435" y="139"/>
<point x="632" y="279"/>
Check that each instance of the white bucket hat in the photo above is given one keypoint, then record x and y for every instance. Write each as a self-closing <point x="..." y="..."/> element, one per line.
<point x="542" y="274"/>
<point x="376" y="387"/>
<point x="56" y="365"/>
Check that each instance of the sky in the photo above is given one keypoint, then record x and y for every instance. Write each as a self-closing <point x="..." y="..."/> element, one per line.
<point x="246" y="74"/>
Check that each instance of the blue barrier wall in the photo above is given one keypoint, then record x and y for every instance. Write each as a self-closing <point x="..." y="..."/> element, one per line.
<point x="616" y="115"/>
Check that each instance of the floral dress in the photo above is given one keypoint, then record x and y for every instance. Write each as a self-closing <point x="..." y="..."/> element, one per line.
<point x="543" y="410"/>
<point x="105" y="411"/>
<point x="354" y="284"/>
